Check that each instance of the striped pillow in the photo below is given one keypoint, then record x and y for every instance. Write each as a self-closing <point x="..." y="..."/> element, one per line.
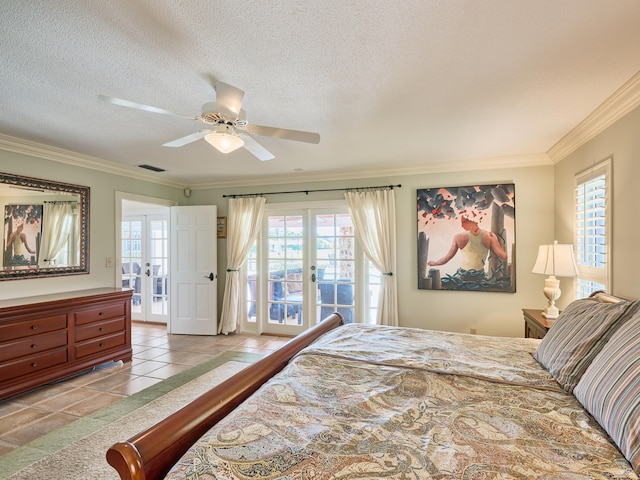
<point x="578" y="335"/>
<point x="610" y="390"/>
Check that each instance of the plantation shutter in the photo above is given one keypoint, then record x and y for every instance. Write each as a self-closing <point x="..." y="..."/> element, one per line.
<point x="592" y="229"/>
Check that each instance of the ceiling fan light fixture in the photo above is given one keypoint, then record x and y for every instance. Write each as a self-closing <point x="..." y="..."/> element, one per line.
<point x="224" y="140"/>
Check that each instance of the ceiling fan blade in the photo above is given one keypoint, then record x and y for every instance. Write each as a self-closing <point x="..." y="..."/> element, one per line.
<point x="147" y="108"/>
<point x="297" y="135"/>
<point x="256" y="149"/>
<point x="228" y="99"/>
<point x="188" y="139"/>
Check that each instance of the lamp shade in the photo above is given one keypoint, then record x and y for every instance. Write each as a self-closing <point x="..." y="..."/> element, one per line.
<point x="224" y="140"/>
<point x="556" y="260"/>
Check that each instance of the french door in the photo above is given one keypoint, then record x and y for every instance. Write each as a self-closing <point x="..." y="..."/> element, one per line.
<point x="310" y="263"/>
<point x="145" y="265"/>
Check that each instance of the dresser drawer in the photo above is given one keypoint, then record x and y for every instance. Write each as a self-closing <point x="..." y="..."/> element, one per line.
<point x="100" y="344"/>
<point x="99" y="313"/>
<point x="98" y="329"/>
<point x="34" y="344"/>
<point x="27" y="327"/>
<point x="33" y="363"/>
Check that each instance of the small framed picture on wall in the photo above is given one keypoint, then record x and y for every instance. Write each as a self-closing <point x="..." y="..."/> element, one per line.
<point x="222" y="227"/>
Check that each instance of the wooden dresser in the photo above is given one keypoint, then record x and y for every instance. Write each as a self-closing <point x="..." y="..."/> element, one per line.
<point x="49" y="337"/>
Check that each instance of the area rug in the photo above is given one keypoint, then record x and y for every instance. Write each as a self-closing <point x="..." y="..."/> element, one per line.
<point x="77" y="451"/>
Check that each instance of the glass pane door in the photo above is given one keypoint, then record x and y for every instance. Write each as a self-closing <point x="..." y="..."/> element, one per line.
<point x="132" y="260"/>
<point x="334" y="266"/>
<point x="158" y="269"/>
<point x="307" y="270"/>
<point x="285" y="272"/>
<point x="145" y="242"/>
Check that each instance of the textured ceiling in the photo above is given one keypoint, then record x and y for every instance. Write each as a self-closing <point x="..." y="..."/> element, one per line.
<point x="388" y="85"/>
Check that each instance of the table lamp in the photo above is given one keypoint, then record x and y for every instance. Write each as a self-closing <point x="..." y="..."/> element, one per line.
<point x="555" y="260"/>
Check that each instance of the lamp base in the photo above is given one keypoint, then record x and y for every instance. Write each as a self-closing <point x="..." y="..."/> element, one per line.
<point x="552" y="292"/>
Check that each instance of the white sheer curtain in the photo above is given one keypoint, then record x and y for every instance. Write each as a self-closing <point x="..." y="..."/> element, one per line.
<point x="245" y="219"/>
<point x="374" y="218"/>
<point x="57" y="220"/>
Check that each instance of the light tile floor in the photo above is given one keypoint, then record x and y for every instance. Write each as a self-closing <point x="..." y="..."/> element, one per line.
<point x="156" y="356"/>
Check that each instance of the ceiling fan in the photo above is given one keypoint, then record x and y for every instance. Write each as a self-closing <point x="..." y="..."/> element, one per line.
<point x="229" y="121"/>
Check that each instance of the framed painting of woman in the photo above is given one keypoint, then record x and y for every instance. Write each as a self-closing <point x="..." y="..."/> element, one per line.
<point x="466" y="238"/>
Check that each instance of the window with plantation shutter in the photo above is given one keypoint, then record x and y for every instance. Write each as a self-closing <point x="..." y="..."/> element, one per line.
<point x="592" y="233"/>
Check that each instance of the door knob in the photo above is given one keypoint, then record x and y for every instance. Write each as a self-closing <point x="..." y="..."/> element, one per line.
<point x="211" y="276"/>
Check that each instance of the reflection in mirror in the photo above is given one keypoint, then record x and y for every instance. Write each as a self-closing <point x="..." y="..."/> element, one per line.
<point x="46" y="226"/>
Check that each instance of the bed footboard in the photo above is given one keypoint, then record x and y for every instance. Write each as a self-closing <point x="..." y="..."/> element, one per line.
<point x="150" y="454"/>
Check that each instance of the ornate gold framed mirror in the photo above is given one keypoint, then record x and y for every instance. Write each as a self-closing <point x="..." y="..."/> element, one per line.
<point x="46" y="228"/>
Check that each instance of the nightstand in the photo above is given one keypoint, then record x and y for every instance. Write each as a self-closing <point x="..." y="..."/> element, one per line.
<point x="535" y="325"/>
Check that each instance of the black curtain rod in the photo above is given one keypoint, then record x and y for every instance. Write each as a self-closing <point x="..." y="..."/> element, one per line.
<point x="240" y="195"/>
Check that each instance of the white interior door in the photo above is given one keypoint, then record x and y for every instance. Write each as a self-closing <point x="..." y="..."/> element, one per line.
<point x="193" y="286"/>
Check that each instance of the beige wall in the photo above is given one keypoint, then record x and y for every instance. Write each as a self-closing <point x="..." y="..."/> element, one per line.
<point x="102" y="210"/>
<point x="621" y="141"/>
<point x="488" y="313"/>
<point x="544" y="212"/>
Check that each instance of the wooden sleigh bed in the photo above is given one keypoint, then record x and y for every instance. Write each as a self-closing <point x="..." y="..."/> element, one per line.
<point x="363" y="401"/>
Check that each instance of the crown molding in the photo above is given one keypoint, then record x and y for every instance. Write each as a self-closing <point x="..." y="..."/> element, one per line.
<point x="515" y="161"/>
<point x="625" y="99"/>
<point x="38" y="150"/>
<point x="26" y="147"/>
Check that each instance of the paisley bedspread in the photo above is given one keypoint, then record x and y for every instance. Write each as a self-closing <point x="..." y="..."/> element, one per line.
<point x="369" y="402"/>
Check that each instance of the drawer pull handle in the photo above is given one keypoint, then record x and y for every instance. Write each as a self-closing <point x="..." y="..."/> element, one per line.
<point x="101" y="329"/>
<point x="34" y="327"/>
<point x="34" y="364"/>
<point x="101" y="313"/>
<point x="34" y="345"/>
<point x="102" y="344"/>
